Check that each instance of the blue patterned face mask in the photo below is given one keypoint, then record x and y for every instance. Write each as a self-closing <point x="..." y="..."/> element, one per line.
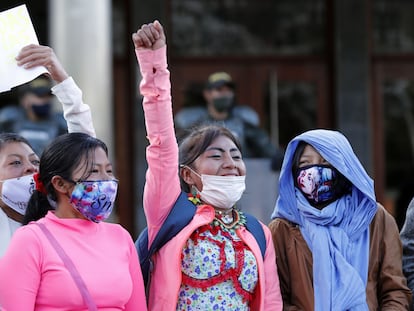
<point x="321" y="183"/>
<point x="94" y="199"/>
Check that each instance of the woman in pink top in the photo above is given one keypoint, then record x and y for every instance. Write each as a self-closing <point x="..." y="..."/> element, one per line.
<point x="214" y="263"/>
<point x="76" y="174"/>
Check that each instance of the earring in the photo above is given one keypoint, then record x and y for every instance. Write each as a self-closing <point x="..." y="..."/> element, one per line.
<point x="194" y="196"/>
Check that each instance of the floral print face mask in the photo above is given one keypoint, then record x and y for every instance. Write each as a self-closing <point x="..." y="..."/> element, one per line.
<point x="321" y="184"/>
<point x="94" y="199"/>
<point x="316" y="183"/>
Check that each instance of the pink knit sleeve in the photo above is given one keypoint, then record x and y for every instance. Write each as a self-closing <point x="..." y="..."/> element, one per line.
<point x="162" y="185"/>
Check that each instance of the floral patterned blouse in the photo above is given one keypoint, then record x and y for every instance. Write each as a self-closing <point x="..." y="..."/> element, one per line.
<point x="219" y="272"/>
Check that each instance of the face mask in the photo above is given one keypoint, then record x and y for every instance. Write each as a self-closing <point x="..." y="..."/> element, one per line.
<point x="94" y="199"/>
<point x="16" y="192"/>
<point x="42" y="111"/>
<point x="222" y="104"/>
<point x="321" y="184"/>
<point x="222" y="191"/>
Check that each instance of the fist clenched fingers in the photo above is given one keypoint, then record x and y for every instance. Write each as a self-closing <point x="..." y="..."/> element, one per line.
<point x="150" y="36"/>
<point x="150" y="32"/>
<point x="145" y="36"/>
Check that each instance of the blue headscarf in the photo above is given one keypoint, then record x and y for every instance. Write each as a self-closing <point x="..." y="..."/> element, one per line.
<point x="337" y="235"/>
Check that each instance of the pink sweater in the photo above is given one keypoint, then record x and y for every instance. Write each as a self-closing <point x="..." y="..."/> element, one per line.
<point x="33" y="276"/>
<point x="162" y="189"/>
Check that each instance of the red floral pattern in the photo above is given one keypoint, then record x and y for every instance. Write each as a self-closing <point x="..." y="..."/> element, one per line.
<point x="218" y="269"/>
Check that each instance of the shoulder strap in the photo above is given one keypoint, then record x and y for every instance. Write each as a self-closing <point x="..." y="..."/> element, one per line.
<point x="255" y="228"/>
<point x="70" y="266"/>
<point x="179" y="216"/>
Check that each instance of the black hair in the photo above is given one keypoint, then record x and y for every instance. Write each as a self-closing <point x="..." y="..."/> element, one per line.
<point x="6" y="138"/>
<point x="296" y="158"/>
<point x="193" y="145"/>
<point x="61" y="157"/>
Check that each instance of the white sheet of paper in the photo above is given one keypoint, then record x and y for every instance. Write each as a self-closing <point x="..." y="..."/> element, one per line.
<point x="16" y="31"/>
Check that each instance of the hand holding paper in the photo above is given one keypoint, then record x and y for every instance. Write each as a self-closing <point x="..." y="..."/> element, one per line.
<point x="33" y="55"/>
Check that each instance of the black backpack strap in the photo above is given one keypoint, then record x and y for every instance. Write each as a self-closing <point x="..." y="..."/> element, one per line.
<point x="255" y="228"/>
<point x="180" y="215"/>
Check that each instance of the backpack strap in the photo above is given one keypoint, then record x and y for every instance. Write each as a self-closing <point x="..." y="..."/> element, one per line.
<point x="180" y="216"/>
<point x="255" y="228"/>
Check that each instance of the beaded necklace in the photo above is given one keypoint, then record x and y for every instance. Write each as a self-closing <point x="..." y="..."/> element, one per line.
<point x="228" y="221"/>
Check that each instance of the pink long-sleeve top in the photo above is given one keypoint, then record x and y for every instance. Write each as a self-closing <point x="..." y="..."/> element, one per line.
<point x="33" y="277"/>
<point x="163" y="188"/>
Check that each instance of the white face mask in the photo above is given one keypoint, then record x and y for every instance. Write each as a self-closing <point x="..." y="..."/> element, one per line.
<point x="16" y="192"/>
<point x="222" y="191"/>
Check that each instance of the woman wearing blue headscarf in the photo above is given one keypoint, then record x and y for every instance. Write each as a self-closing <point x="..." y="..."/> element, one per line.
<point x="336" y="247"/>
